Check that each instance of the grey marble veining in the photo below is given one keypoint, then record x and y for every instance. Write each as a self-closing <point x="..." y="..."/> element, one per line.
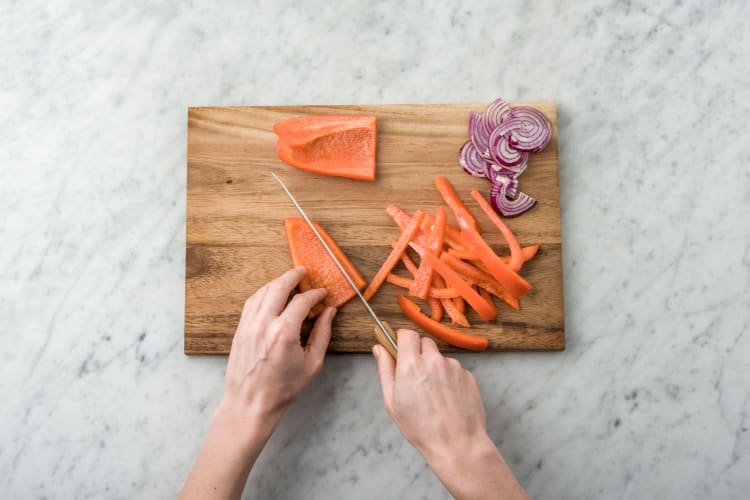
<point x="650" y="400"/>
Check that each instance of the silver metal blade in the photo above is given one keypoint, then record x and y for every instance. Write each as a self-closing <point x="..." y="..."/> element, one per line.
<point x="336" y="261"/>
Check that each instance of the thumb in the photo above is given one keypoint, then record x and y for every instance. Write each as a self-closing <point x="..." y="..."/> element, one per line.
<point x="387" y="373"/>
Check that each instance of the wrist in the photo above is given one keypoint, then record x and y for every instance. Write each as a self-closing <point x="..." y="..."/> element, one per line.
<point x="246" y="425"/>
<point x="462" y="451"/>
<point x="475" y="471"/>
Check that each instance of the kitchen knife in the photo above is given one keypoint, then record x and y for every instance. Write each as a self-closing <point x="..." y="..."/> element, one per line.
<point x="383" y="330"/>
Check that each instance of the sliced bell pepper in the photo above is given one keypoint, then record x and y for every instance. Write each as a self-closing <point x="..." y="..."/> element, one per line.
<point x="463" y="215"/>
<point x="435" y="293"/>
<point x="454" y="280"/>
<point x="439" y="330"/>
<point x="457" y="317"/>
<point x="421" y="286"/>
<point x="528" y="253"/>
<point x="436" y="309"/>
<point x="395" y="255"/>
<point x="516" y="256"/>
<point x="476" y="276"/>
<point x="322" y="272"/>
<point x="508" y="278"/>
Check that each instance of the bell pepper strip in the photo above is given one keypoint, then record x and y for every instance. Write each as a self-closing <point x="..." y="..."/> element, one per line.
<point x="395" y="255"/>
<point x="439" y="330"/>
<point x="400" y="217"/>
<point x="485" y="294"/>
<point x="528" y="253"/>
<point x="322" y="272"/>
<point x="463" y="215"/>
<point x="408" y="263"/>
<point x="457" y="317"/>
<point x="516" y="257"/>
<point x="460" y="304"/>
<point x="402" y="220"/>
<point x="454" y="280"/>
<point x="511" y="281"/>
<point x="421" y="286"/>
<point x="476" y="276"/>
<point x="462" y="254"/>
<point x="435" y="293"/>
<point x="451" y="233"/>
<point x="436" y="309"/>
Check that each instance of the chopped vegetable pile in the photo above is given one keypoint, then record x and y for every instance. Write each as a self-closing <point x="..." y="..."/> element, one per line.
<point x="500" y="140"/>
<point x="342" y="146"/>
<point x="456" y="267"/>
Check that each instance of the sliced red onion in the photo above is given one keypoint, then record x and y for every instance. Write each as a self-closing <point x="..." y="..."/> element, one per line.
<point x="482" y="125"/>
<point x="494" y="114"/>
<point x="499" y="175"/>
<point x="503" y="153"/>
<point x="472" y="162"/>
<point x="529" y="130"/>
<point x="477" y="135"/>
<point x="506" y="206"/>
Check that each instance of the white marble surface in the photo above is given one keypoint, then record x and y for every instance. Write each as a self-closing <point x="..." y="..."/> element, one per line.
<point x="649" y="401"/>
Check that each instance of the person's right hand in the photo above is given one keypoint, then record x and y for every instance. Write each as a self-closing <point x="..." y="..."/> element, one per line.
<point x="437" y="406"/>
<point x="432" y="399"/>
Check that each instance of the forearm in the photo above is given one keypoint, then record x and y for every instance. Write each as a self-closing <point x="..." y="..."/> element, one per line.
<point x="478" y="473"/>
<point x="233" y="443"/>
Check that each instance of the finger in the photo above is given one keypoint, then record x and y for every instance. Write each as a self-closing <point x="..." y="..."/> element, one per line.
<point x="299" y="307"/>
<point x="320" y="335"/>
<point x="429" y="346"/>
<point x="386" y="373"/>
<point x="408" y="344"/>
<point x="279" y="289"/>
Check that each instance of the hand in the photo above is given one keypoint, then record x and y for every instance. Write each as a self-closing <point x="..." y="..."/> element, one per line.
<point x="437" y="406"/>
<point x="268" y="367"/>
<point x="432" y="399"/>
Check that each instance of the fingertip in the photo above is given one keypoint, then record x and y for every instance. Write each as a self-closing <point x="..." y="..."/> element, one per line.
<point x="301" y="269"/>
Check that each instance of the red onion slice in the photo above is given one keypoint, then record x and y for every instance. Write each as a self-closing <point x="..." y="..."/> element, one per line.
<point x="499" y="175"/>
<point x="494" y="114"/>
<point x="472" y="162"/>
<point x="506" y="206"/>
<point x="528" y="129"/>
<point x="502" y="151"/>
<point x="482" y="125"/>
<point x="477" y="135"/>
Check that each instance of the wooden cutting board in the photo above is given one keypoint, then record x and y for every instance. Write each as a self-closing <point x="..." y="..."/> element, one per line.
<point x="235" y="211"/>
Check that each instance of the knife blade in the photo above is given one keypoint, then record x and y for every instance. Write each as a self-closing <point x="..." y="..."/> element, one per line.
<point x="383" y="330"/>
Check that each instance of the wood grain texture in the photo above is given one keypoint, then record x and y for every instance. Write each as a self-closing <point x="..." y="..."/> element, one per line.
<point x="235" y="212"/>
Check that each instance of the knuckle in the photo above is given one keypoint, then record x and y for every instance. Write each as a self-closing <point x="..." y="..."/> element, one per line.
<point x="428" y="342"/>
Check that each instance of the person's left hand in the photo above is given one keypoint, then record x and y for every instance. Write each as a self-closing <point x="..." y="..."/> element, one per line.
<point x="268" y="367"/>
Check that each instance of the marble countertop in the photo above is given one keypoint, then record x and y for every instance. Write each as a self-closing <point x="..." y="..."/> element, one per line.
<point x="649" y="400"/>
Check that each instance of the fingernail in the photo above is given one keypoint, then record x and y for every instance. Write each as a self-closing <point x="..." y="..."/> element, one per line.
<point x="375" y="351"/>
<point x="301" y="268"/>
<point x="332" y="311"/>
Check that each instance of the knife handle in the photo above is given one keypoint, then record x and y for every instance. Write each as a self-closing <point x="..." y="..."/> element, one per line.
<point x="384" y="340"/>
